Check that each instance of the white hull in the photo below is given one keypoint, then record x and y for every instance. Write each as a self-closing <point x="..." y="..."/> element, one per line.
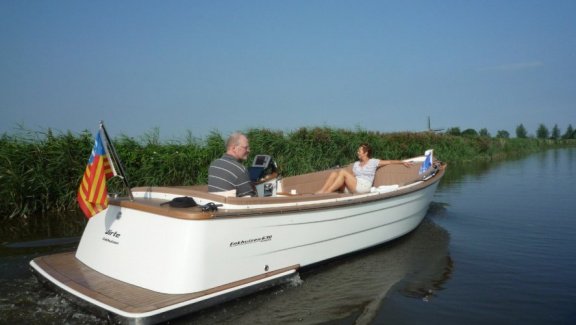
<point x="221" y="251"/>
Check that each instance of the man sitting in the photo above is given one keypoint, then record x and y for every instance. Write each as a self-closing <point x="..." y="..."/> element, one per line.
<point x="227" y="174"/>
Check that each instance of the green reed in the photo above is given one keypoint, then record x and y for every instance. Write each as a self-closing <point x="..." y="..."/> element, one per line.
<point x="40" y="171"/>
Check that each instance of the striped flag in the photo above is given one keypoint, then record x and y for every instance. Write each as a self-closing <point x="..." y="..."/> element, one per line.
<point x="93" y="194"/>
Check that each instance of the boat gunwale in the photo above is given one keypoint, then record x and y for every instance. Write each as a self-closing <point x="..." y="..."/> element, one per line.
<point x="252" y="209"/>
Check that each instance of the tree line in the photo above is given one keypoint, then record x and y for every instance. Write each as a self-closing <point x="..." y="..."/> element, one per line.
<point x="542" y="132"/>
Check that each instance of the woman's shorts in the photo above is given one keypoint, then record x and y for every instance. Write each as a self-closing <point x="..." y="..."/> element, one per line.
<point x="363" y="186"/>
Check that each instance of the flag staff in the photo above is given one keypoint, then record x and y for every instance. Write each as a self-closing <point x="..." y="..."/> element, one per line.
<point x="117" y="161"/>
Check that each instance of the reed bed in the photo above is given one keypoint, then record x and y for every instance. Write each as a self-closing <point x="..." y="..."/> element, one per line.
<point x="40" y="171"/>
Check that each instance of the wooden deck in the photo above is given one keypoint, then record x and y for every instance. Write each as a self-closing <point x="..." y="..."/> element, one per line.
<point x="71" y="272"/>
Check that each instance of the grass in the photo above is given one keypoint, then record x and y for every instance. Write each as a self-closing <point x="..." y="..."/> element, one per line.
<point x="40" y="171"/>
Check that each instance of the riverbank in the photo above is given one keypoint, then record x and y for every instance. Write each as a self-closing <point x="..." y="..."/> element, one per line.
<point x="40" y="171"/>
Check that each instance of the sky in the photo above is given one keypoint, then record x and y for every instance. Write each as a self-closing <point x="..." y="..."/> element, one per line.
<point x="184" y="68"/>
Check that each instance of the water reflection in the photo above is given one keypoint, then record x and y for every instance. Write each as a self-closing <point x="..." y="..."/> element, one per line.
<point x="474" y="170"/>
<point x="348" y="290"/>
<point x="40" y="227"/>
<point x="512" y="238"/>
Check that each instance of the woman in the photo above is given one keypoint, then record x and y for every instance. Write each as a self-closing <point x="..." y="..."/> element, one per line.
<point x="362" y="176"/>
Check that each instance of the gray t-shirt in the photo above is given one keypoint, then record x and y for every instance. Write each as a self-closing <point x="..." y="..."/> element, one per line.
<point x="227" y="173"/>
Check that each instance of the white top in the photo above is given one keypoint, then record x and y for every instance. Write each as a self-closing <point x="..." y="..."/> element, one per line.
<point x="366" y="172"/>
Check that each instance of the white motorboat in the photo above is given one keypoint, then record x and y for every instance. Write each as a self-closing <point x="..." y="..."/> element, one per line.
<point x="144" y="261"/>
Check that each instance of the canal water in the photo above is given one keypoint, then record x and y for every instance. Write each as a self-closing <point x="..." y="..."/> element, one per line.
<point x="498" y="246"/>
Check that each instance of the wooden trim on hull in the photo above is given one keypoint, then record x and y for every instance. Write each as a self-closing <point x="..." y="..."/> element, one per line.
<point x="70" y="274"/>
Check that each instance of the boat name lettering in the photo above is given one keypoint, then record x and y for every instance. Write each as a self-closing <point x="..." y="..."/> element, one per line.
<point x="111" y="236"/>
<point x="112" y="233"/>
<point x="251" y="241"/>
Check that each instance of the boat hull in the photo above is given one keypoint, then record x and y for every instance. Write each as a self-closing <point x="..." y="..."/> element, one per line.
<point x="184" y="262"/>
<point x="119" y="241"/>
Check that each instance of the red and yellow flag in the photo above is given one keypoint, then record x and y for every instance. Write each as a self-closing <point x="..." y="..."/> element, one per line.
<point x="93" y="193"/>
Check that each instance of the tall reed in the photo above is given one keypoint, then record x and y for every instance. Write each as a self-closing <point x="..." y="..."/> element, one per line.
<point x="40" y="171"/>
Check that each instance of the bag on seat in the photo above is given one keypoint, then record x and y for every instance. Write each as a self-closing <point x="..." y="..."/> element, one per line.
<point x="181" y="202"/>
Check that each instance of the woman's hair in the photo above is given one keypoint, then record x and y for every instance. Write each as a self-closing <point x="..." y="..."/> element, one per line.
<point x="367" y="149"/>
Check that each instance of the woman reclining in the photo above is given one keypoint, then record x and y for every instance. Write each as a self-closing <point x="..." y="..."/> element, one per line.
<point x="362" y="176"/>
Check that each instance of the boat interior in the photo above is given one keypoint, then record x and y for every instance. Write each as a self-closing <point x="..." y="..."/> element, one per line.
<point x="297" y="190"/>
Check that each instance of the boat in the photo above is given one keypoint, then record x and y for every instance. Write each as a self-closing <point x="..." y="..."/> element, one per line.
<point x="147" y="258"/>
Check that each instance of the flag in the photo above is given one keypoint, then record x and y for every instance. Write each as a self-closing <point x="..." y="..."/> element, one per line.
<point x="93" y="194"/>
<point x="426" y="163"/>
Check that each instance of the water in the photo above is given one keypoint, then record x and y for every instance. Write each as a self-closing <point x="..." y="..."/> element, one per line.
<point x="497" y="247"/>
<point x="513" y="244"/>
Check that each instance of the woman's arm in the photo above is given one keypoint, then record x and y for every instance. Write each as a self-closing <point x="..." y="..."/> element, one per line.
<point x="382" y="163"/>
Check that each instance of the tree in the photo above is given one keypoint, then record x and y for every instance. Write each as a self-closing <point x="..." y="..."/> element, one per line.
<point x="555" y="132"/>
<point x="521" y="131"/>
<point x="484" y="133"/>
<point x="503" y="134"/>
<point x="454" y="131"/>
<point x="570" y="134"/>
<point x="470" y="133"/>
<point x="542" y="132"/>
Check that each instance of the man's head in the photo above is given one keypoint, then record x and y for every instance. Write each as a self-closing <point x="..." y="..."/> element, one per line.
<point x="237" y="146"/>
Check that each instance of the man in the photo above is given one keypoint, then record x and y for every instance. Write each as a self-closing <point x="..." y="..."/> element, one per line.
<point x="227" y="172"/>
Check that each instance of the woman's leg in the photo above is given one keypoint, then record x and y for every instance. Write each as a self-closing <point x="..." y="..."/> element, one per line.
<point x="329" y="181"/>
<point x="341" y="179"/>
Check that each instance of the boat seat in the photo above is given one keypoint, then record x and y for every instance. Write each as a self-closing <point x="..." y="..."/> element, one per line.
<point x="306" y="183"/>
<point x="388" y="175"/>
<point x="397" y="175"/>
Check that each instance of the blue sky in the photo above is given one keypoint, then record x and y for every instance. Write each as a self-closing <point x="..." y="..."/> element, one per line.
<point x="203" y="66"/>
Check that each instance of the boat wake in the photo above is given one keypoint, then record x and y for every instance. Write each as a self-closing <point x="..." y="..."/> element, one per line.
<point x="25" y="301"/>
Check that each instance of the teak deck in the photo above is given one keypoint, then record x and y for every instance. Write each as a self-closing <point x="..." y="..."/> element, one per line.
<point x="120" y="295"/>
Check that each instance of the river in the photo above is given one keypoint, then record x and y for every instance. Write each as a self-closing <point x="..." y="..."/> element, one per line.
<point x="496" y="247"/>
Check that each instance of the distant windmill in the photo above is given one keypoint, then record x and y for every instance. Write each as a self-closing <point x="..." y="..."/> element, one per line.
<point x="430" y="129"/>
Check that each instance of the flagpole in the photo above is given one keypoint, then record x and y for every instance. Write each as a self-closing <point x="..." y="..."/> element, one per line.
<point x="117" y="160"/>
